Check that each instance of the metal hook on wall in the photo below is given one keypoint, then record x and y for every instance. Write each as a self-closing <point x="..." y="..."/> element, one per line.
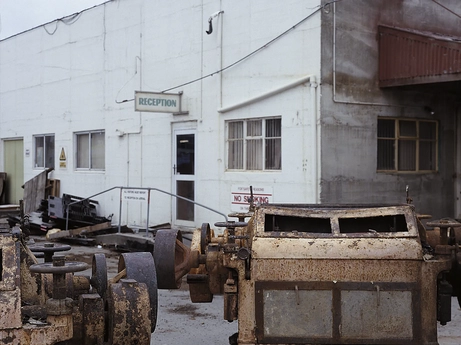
<point x="210" y="22"/>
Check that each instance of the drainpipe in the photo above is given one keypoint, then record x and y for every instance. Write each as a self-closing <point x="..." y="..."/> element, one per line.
<point x="220" y="38"/>
<point x="315" y="99"/>
<point x="335" y="100"/>
<point x="267" y="94"/>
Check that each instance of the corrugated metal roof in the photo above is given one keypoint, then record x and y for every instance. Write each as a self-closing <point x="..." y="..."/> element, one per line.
<point x="408" y="57"/>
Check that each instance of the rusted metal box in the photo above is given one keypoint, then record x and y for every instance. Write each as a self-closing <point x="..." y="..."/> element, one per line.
<point x="339" y="276"/>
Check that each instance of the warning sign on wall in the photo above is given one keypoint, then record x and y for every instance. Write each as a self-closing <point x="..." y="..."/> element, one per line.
<point x="241" y="194"/>
<point x="62" y="158"/>
<point x="140" y="195"/>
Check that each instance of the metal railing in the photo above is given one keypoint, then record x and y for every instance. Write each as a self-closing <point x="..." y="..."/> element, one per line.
<point x="149" y="189"/>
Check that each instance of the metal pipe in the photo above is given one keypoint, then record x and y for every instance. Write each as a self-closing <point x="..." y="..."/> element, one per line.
<point x="76" y="202"/>
<point x="120" y="213"/>
<point x="141" y="188"/>
<point x="266" y="94"/>
<point x="148" y="213"/>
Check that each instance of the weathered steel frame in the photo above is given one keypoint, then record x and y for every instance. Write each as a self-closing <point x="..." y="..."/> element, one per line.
<point x="336" y="288"/>
<point x="334" y="212"/>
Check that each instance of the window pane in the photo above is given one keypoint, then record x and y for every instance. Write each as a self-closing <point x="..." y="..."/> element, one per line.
<point x="185" y="154"/>
<point x="49" y="151"/>
<point x="83" y="151"/>
<point x="273" y="154"/>
<point x="427" y="155"/>
<point x="235" y="153"/>
<point x="184" y="208"/>
<point x="236" y="130"/>
<point x="386" y="154"/>
<point x="254" y="154"/>
<point x="254" y="144"/>
<point x="235" y="159"/>
<point x="407" y="128"/>
<point x="386" y="128"/>
<point x="427" y="130"/>
<point x="97" y="150"/>
<point x="407" y="155"/>
<point x="39" y="152"/>
<point x="273" y="128"/>
<point x="416" y="142"/>
<point x="254" y="128"/>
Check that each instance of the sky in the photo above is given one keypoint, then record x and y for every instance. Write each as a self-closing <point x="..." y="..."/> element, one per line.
<point x="20" y="15"/>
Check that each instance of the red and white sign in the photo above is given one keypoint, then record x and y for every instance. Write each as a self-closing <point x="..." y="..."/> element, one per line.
<point x="241" y="194"/>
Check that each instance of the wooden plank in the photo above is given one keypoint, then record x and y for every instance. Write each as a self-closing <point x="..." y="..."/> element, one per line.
<point x="34" y="191"/>
<point x="53" y="188"/>
<point x="86" y="229"/>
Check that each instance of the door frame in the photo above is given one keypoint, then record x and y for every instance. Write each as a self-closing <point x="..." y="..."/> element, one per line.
<point x="457" y="180"/>
<point x="15" y="180"/>
<point x="182" y="129"/>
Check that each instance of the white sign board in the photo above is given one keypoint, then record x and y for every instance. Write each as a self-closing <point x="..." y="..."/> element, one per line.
<point x="157" y="102"/>
<point x="140" y="195"/>
<point x="241" y="194"/>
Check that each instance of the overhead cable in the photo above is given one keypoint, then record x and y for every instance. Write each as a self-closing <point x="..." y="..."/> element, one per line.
<point x="254" y="51"/>
<point x="246" y="56"/>
<point x="438" y="3"/>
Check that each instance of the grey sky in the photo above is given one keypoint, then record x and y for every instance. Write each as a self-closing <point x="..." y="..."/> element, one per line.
<point x="20" y="15"/>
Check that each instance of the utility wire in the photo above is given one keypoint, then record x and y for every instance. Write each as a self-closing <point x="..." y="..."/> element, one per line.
<point x="246" y="56"/>
<point x="253" y="52"/>
<point x="438" y="3"/>
<point x="68" y="20"/>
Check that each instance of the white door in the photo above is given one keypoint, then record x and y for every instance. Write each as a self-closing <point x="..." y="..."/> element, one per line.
<point x="184" y="176"/>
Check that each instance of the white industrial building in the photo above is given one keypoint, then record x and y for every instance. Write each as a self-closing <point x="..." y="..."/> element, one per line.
<point x="206" y="98"/>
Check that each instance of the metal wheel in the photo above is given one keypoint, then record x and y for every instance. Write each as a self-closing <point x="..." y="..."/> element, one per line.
<point x="99" y="274"/>
<point x="205" y="237"/>
<point x="141" y="267"/>
<point x="128" y="316"/>
<point x="169" y="258"/>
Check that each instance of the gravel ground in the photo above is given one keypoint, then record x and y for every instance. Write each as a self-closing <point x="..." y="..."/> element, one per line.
<point x="182" y="322"/>
<point x="451" y="333"/>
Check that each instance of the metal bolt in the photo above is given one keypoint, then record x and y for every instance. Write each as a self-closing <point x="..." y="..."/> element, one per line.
<point x="48" y="255"/>
<point x="59" y="279"/>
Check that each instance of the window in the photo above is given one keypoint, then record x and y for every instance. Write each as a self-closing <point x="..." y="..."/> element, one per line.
<point x="91" y="150"/>
<point x="44" y="151"/>
<point x="255" y="144"/>
<point x="407" y="145"/>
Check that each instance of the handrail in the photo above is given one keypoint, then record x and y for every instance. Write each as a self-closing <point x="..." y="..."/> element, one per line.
<point x="148" y="203"/>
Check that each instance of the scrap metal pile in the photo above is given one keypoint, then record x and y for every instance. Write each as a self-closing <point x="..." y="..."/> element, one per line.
<point x="68" y="212"/>
<point x="292" y="274"/>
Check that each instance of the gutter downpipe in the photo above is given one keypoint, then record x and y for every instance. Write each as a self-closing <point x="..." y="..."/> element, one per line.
<point x="267" y="94"/>
<point x="335" y="100"/>
<point x="220" y="40"/>
<point x="315" y="95"/>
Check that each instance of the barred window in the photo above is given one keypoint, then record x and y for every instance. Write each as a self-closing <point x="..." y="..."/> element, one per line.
<point x="44" y="151"/>
<point x="407" y="145"/>
<point x="255" y="144"/>
<point x="90" y="150"/>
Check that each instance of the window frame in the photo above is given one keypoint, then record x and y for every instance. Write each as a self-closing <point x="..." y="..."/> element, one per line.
<point x="90" y="151"/>
<point x="417" y="139"/>
<point x="45" y="150"/>
<point x="245" y="139"/>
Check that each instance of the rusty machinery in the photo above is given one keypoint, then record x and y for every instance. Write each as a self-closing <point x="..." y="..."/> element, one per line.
<point x="316" y="274"/>
<point x="292" y="274"/>
<point x="45" y="303"/>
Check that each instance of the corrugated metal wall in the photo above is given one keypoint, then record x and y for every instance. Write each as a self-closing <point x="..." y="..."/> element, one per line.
<point x="407" y="57"/>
